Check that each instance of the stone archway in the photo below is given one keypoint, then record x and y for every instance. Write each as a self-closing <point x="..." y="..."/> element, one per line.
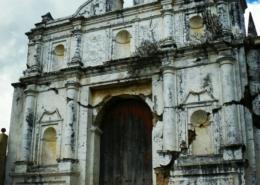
<point x="126" y="146"/>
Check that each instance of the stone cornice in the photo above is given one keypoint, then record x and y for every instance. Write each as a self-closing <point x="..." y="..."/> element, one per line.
<point x="123" y="64"/>
<point x="226" y="60"/>
<point x="211" y="47"/>
<point x="81" y="72"/>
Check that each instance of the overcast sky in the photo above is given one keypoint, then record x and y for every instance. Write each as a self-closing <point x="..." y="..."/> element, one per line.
<point x="18" y="17"/>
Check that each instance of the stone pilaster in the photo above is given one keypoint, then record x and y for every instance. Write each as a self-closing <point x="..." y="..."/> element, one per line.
<point x="33" y="63"/>
<point x="94" y="158"/>
<point x="167" y="13"/>
<point x="232" y="138"/>
<point x="71" y="120"/>
<point x="223" y="14"/>
<point x="77" y="38"/>
<point x="237" y="25"/>
<point x="228" y="97"/>
<point x="28" y="122"/>
<point x="169" y="115"/>
<point x="27" y="128"/>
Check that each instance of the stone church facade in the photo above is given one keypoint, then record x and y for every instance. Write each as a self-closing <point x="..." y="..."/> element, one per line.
<point x="164" y="92"/>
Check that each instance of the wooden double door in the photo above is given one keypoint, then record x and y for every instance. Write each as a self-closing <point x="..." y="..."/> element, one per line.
<point x="126" y="148"/>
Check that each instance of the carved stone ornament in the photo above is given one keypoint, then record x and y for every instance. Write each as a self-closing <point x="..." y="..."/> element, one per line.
<point x="165" y="158"/>
<point x="76" y="59"/>
<point x="50" y="116"/>
<point x="91" y="8"/>
<point x="201" y="96"/>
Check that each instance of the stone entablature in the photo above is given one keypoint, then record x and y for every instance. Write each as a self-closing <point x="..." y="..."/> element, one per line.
<point x="82" y="34"/>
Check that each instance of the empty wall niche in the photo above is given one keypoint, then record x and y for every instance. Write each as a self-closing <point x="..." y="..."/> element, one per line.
<point x="49" y="147"/>
<point x="202" y="143"/>
<point x="122" y="47"/>
<point x="196" y="25"/>
<point x="58" y="57"/>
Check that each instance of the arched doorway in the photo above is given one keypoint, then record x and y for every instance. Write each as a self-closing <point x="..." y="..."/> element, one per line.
<point x="126" y="148"/>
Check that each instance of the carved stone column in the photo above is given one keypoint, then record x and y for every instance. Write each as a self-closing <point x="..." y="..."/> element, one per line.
<point x="71" y="120"/>
<point x="27" y="127"/>
<point x="230" y="112"/>
<point x="167" y="12"/>
<point x="169" y="115"/>
<point x="77" y="37"/>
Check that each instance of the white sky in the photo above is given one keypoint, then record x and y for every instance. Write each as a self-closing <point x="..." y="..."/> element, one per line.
<point x="18" y="17"/>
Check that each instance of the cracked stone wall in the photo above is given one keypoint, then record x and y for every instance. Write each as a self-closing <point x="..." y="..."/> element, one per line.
<point x="186" y="60"/>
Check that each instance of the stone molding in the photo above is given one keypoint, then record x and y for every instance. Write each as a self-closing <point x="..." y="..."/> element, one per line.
<point x="168" y="69"/>
<point x="72" y="85"/>
<point x="51" y="114"/>
<point x="226" y="60"/>
<point x="30" y="92"/>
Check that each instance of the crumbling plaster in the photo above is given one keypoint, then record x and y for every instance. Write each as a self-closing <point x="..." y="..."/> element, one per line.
<point x="183" y="76"/>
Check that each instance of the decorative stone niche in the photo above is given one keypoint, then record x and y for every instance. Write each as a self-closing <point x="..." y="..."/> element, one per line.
<point x="196" y="22"/>
<point x="196" y="27"/>
<point x="122" y="44"/>
<point x="202" y="143"/>
<point x="49" y="147"/>
<point x="58" y="56"/>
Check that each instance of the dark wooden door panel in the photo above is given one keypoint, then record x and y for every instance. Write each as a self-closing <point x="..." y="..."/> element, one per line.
<point x="126" y="149"/>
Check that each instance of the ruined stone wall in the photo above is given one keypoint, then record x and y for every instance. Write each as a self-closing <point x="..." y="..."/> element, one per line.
<point x="99" y="45"/>
<point x="97" y="41"/>
<point x="185" y="60"/>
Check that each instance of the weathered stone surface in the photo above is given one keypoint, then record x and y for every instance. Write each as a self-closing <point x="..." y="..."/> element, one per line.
<point x="188" y="62"/>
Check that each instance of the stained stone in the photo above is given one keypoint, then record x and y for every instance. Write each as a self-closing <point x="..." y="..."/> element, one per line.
<point x="171" y="84"/>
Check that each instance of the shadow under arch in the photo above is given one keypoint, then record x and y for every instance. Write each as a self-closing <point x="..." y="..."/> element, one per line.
<point x="126" y="123"/>
<point x="111" y="100"/>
